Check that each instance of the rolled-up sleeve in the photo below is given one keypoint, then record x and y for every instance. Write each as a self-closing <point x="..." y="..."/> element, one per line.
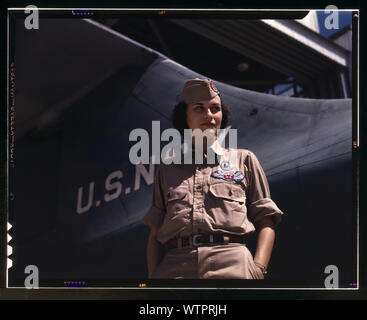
<point x="155" y="214"/>
<point x="259" y="204"/>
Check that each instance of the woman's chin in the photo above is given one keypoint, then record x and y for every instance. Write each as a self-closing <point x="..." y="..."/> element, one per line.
<point x="209" y="129"/>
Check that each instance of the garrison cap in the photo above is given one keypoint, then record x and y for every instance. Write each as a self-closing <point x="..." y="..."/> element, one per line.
<point x="198" y="90"/>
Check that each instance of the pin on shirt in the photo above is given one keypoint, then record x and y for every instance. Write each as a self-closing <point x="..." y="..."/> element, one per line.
<point x="227" y="173"/>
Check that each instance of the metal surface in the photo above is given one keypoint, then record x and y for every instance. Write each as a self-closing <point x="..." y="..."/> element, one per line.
<point x="78" y="200"/>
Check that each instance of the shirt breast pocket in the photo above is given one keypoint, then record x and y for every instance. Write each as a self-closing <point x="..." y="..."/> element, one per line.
<point x="228" y="204"/>
<point x="177" y="201"/>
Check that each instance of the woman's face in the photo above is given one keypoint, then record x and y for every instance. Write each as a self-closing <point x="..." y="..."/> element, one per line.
<point x="205" y="114"/>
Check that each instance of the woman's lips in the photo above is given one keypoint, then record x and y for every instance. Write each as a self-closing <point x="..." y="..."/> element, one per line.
<point x="208" y="124"/>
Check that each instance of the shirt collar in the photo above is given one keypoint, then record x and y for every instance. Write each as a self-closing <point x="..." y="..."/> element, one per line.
<point x="216" y="147"/>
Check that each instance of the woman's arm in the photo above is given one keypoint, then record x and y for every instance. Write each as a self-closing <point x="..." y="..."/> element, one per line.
<point x="265" y="243"/>
<point x="155" y="251"/>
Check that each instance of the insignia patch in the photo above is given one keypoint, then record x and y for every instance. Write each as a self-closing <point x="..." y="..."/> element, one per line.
<point x="226" y="166"/>
<point x="228" y="176"/>
<point x="214" y="88"/>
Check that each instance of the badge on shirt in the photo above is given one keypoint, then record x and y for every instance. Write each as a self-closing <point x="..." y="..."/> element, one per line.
<point x="227" y="173"/>
<point x="228" y="176"/>
<point x="226" y="166"/>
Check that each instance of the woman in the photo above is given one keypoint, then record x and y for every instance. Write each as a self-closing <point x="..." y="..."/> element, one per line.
<point x="201" y="213"/>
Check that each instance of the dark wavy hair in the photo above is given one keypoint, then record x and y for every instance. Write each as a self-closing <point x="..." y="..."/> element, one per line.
<point x="178" y="116"/>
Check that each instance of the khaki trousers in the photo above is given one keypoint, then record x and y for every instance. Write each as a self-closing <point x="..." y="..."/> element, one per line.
<point x="230" y="261"/>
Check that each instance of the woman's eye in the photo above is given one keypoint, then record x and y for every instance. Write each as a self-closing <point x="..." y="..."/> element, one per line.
<point x="216" y="108"/>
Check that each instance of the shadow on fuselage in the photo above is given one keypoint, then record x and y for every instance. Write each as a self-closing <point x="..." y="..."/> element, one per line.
<point x="78" y="200"/>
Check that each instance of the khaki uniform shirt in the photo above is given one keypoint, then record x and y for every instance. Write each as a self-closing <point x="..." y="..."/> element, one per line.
<point x="188" y="199"/>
